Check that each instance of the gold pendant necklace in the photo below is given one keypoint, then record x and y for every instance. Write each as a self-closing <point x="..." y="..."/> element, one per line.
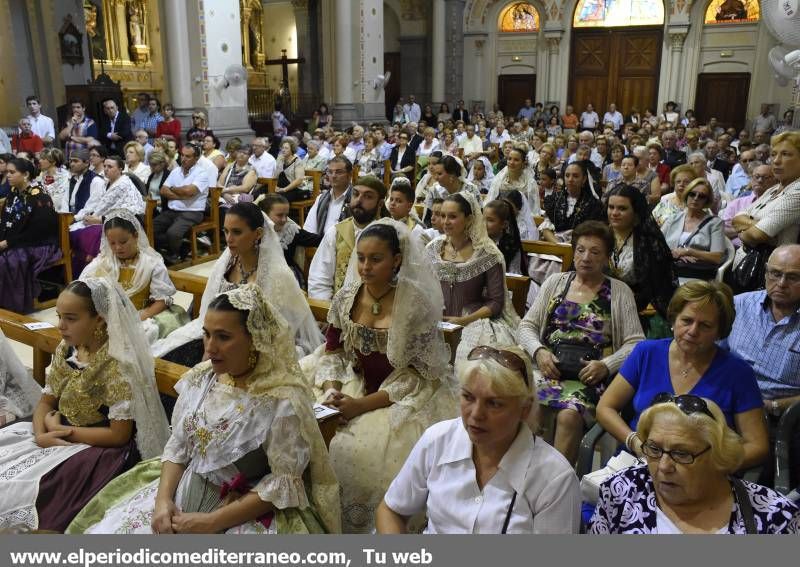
<point x="376" y="302"/>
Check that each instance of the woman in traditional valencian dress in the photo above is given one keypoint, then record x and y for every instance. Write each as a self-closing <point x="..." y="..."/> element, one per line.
<point x="127" y="258"/>
<point x="99" y="411"/>
<point x="245" y="454"/>
<point x="471" y="271"/>
<point x="19" y="393"/>
<point x="385" y="366"/>
<point x="254" y="255"/>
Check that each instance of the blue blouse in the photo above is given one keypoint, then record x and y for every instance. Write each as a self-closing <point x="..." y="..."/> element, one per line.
<point x="729" y="381"/>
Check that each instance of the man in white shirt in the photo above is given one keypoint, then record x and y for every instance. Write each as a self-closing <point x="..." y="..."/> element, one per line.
<point x="261" y="160"/>
<point x="499" y="134"/>
<point x="329" y="266"/>
<point x="471" y="144"/>
<point x="85" y="187"/>
<point x="412" y="109"/>
<point x="186" y="190"/>
<point x="41" y="125"/>
<point x="613" y="116"/>
<point x="329" y="207"/>
<point x="356" y="144"/>
<point x="589" y="118"/>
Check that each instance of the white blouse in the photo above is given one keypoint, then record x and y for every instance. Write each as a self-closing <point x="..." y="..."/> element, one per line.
<point x="439" y="475"/>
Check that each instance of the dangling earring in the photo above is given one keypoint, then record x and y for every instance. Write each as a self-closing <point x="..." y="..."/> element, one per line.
<point x="252" y="358"/>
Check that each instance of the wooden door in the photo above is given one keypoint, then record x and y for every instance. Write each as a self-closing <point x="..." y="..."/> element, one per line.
<point x="391" y="63"/>
<point x="512" y="90"/>
<point x="619" y="65"/>
<point x="723" y="96"/>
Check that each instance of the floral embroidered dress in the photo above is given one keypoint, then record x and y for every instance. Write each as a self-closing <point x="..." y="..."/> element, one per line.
<point x="230" y="442"/>
<point x="43" y="488"/>
<point x="628" y="505"/>
<point x="569" y="321"/>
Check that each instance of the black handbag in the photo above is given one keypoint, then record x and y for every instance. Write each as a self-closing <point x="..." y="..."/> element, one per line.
<point x="283" y="180"/>
<point x="696" y="270"/>
<point x="748" y="275"/>
<point x="571" y="355"/>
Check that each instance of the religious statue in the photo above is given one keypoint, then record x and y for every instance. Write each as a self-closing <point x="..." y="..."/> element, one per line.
<point x="256" y="48"/>
<point x="135" y="25"/>
<point x="732" y="10"/>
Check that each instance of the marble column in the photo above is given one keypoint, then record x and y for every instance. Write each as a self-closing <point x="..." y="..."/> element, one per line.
<point x="438" y="38"/>
<point x="358" y="62"/>
<point x="220" y="23"/>
<point x="306" y="71"/>
<point x="454" y="51"/>
<point x="178" y="53"/>
<point x="677" y="37"/>
<point x="480" y="92"/>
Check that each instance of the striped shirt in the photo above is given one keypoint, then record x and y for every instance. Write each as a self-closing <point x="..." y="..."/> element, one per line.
<point x="772" y="348"/>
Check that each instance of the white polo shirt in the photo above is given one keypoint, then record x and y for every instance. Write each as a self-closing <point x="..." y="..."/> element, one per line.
<point x="42" y="126"/>
<point x="439" y="476"/>
<point x="264" y="165"/>
<point x="197" y="176"/>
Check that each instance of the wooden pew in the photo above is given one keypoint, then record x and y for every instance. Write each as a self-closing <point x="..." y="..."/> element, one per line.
<point x="149" y="212"/>
<point x="518" y="286"/>
<point x="190" y="283"/>
<point x="269" y="183"/>
<point x="387" y="172"/>
<point x="208" y="224"/>
<point x="64" y="220"/>
<point x="45" y="342"/>
<point x="563" y="251"/>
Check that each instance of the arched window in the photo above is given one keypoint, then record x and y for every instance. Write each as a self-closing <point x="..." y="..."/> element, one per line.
<point x="519" y="17"/>
<point x="732" y="12"/>
<point x="618" y="13"/>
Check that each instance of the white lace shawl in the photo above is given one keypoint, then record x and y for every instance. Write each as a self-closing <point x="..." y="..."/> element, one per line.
<point x="275" y="279"/>
<point x="235" y="423"/>
<point x="149" y="270"/>
<point x="128" y="346"/>
<point x="530" y="192"/>
<point x="19" y="392"/>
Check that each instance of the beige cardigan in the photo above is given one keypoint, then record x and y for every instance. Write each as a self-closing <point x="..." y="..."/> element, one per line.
<point x="626" y="330"/>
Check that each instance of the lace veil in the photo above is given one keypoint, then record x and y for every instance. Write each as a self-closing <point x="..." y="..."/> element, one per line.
<point x="275" y="279"/>
<point x="414" y="337"/>
<point x="19" y="392"/>
<point x="107" y="265"/>
<point x="530" y="196"/>
<point x="277" y="374"/>
<point x="128" y="346"/>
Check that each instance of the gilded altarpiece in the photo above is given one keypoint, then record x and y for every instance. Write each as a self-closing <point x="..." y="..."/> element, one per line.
<point x="126" y="44"/>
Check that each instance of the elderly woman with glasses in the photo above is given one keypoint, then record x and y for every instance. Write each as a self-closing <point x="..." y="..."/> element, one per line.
<point x="695" y="236"/>
<point x="486" y="472"/>
<point x="700" y="313"/>
<point x="686" y="485"/>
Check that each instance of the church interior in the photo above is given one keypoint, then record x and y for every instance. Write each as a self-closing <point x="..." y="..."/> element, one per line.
<point x="381" y="247"/>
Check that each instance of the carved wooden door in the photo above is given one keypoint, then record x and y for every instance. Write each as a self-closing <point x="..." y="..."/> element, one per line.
<point x="615" y="65"/>
<point x="723" y="96"/>
<point x="512" y="90"/>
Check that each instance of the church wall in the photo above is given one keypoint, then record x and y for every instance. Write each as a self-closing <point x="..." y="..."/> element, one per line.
<point x="391" y="30"/>
<point x="81" y="73"/>
<point x="280" y="32"/>
<point x="12" y="102"/>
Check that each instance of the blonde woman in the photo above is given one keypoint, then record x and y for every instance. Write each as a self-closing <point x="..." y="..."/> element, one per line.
<point x="134" y="161"/>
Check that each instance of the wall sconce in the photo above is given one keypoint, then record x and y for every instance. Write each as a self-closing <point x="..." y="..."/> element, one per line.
<point x="516" y="58"/>
<point x="726" y="53"/>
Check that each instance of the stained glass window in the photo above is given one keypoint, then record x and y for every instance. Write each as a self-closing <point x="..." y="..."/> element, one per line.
<point x="618" y="13"/>
<point x="732" y="12"/>
<point x="519" y="17"/>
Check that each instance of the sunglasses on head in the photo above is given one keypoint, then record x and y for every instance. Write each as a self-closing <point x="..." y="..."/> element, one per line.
<point x="505" y="358"/>
<point x="687" y="403"/>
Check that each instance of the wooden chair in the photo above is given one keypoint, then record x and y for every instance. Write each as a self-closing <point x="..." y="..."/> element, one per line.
<point x="563" y="251"/>
<point x="308" y="257"/>
<point x="211" y="224"/>
<point x="269" y="183"/>
<point x="387" y="172"/>
<point x="190" y="283"/>
<point x="64" y="220"/>
<point x="149" y="212"/>
<point x="300" y="207"/>
<point x="518" y="286"/>
<point x="356" y="173"/>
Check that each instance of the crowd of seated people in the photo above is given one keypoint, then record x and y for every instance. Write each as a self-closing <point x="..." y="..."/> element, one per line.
<point x="674" y="326"/>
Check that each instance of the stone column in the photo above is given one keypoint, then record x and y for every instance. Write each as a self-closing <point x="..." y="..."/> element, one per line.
<point x="227" y="105"/>
<point x="677" y="36"/>
<point x="454" y="52"/>
<point x="344" y="108"/>
<point x="480" y="92"/>
<point x="553" y="68"/>
<point x="438" y="51"/>
<point x="178" y="53"/>
<point x="306" y="71"/>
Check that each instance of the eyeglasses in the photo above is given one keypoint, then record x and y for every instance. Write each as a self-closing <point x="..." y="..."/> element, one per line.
<point x="792" y="278"/>
<point x="503" y="357"/>
<point x="687" y="403"/>
<point x="696" y="195"/>
<point x="653" y="451"/>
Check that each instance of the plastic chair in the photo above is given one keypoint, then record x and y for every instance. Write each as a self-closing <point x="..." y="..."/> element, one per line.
<point x="730" y="252"/>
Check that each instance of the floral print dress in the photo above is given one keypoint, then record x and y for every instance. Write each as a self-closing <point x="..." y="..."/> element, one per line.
<point x="569" y="321"/>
